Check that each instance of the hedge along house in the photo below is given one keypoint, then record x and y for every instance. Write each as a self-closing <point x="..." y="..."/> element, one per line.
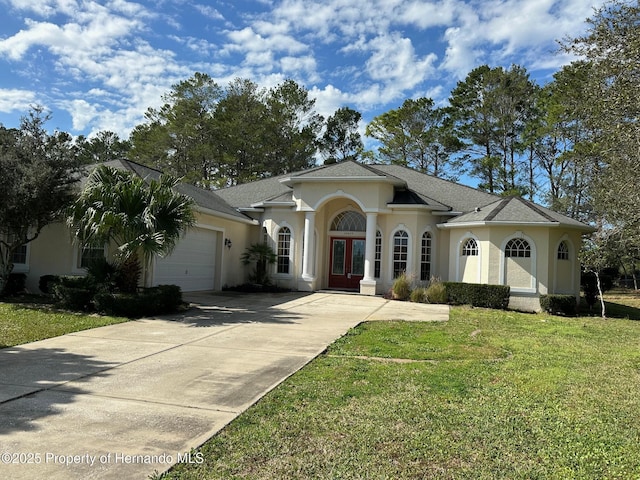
<point x="352" y="227"/>
<point x="356" y="227"/>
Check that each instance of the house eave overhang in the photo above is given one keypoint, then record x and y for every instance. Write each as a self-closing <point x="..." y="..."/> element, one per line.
<point x="226" y="216"/>
<point x="415" y="206"/>
<point x="251" y="209"/>
<point x="263" y="205"/>
<point x="583" y="229"/>
<point x="501" y="223"/>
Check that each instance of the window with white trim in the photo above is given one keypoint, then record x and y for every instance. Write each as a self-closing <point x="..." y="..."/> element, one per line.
<point x="425" y="257"/>
<point x="470" y="248"/>
<point x="349" y="221"/>
<point x="563" y="251"/>
<point x="400" y="252"/>
<point x="284" y="250"/>
<point x="517" y="247"/>
<point x="20" y="255"/>
<point x="378" y="255"/>
<point x="90" y="254"/>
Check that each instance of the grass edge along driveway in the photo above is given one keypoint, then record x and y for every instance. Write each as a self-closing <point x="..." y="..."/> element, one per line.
<point x="24" y="323"/>
<point x="488" y="394"/>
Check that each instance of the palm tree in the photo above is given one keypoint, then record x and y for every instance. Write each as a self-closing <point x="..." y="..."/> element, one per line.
<point x="262" y="254"/>
<point x="142" y="217"/>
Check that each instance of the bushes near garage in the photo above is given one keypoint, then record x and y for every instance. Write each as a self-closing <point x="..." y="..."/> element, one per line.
<point x="559" y="304"/>
<point x="46" y="283"/>
<point x="15" y="283"/>
<point x="150" y="301"/>
<point x="85" y="293"/>
<point x="478" y="295"/>
<point x="74" y="292"/>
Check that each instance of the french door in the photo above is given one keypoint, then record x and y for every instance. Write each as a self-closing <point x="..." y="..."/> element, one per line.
<point x="346" y="267"/>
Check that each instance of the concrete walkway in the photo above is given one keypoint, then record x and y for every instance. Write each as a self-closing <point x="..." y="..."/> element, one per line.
<point x="125" y="400"/>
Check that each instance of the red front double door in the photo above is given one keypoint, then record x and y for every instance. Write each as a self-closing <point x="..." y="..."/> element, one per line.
<point x="346" y="267"/>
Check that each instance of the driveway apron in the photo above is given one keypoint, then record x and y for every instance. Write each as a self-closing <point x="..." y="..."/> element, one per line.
<point x="123" y="401"/>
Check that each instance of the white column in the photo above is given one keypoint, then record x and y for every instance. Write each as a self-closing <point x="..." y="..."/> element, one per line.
<point x="308" y="260"/>
<point x="370" y="247"/>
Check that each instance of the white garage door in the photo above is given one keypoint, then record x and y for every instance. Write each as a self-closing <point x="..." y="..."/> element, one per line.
<point x="192" y="264"/>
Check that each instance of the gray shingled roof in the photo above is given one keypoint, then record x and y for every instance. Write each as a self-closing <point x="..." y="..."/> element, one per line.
<point x="421" y="189"/>
<point x="515" y="209"/>
<point x="342" y="169"/>
<point x="247" y="194"/>
<point x="203" y="198"/>
<point x="457" y="197"/>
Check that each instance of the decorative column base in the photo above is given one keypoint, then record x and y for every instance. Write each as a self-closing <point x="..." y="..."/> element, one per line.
<point x="367" y="287"/>
<point x="307" y="283"/>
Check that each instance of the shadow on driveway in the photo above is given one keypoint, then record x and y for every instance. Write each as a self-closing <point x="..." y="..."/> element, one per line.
<point x="232" y="308"/>
<point x="27" y="372"/>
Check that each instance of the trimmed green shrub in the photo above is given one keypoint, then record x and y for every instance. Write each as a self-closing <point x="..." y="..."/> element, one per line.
<point x="478" y="295"/>
<point x="74" y="298"/>
<point x="437" y="293"/>
<point x="150" y="301"/>
<point x="75" y="292"/>
<point x="559" y="304"/>
<point x="46" y="283"/>
<point x="401" y="289"/>
<point x="16" y="283"/>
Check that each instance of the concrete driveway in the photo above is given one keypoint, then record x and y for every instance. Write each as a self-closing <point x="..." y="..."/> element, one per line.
<point x="125" y="400"/>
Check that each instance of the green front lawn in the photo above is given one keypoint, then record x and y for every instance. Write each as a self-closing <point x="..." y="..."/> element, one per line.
<point x="27" y="322"/>
<point x="487" y="395"/>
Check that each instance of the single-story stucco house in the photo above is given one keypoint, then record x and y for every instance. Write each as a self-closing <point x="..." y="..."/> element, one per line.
<point x="350" y="226"/>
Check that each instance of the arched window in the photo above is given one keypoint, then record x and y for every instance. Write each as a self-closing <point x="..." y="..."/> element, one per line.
<point x="425" y="257"/>
<point x="378" y="258"/>
<point x="563" y="251"/>
<point x="284" y="250"/>
<point x="517" y="247"/>
<point x="400" y="252"/>
<point x="265" y="235"/>
<point x="470" y="248"/>
<point x="349" y="221"/>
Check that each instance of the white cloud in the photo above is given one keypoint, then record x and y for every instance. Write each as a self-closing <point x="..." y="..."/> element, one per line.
<point x="16" y="100"/>
<point x="82" y="113"/>
<point x="209" y="12"/>
<point x="428" y="14"/>
<point x="329" y="99"/>
<point x="248" y="40"/>
<point x="113" y="62"/>
<point x="394" y="60"/>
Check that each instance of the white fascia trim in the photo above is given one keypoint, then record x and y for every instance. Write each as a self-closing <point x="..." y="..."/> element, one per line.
<point x="413" y="206"/>
<point x="214" y="213"/>
<point x="499" y="223"/>
<point x="278" y="204"/>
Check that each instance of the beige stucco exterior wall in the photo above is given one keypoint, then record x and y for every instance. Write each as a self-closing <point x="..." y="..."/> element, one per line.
<point x="230" y="268"/>
<point x="54" y="252"/>
<point x="529" y="278"/>
<point x="327" y="202"/>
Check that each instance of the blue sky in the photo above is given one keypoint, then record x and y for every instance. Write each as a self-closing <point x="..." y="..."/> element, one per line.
<point x="98" y="65"/>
